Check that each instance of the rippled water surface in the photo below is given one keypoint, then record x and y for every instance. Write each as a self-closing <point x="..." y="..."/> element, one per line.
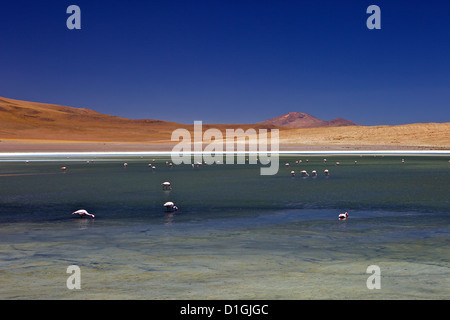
<point x="237" y="234"/>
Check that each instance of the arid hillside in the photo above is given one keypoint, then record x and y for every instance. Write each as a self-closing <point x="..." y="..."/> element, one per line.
<point x="31" y="120"/>
<point x="416" y="136"/>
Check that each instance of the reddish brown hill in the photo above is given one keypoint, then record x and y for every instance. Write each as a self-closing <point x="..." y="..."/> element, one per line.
<point x="41" y="121"/>
<point x="32" y="120"/>
<point x="304" y="120"/>
<point x="340" y="122"/>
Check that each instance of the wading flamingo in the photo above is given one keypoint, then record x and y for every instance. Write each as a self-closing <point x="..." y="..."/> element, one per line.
<point x="166" y="185"/>
<point x="170" y="206"/>
<point x="343" y="216"/>
<point x="83" y="213"/>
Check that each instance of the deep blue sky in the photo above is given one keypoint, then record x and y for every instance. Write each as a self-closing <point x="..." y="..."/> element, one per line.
<point x="225" y="61"/>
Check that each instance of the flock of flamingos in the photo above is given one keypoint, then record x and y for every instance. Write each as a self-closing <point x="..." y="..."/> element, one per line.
<point x="171" y="207"/>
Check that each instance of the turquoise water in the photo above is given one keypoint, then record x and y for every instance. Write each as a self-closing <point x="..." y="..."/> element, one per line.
<point x="237" y="234"/>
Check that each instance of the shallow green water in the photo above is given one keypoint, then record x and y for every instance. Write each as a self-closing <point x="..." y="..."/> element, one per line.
<point x="237" y="235"/>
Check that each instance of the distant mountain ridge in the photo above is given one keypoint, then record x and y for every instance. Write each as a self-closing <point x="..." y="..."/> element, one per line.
<point x="31" y="115"/>
<point x="304" y="120"/>
<point x="34" y="120"/>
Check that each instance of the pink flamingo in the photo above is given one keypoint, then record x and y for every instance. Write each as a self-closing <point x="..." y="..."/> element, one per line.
<point x="83" y="213"/>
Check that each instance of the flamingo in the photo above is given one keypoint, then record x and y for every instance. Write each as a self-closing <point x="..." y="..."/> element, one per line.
<point x="166" y="185"/>
<point x="343" y="216"/>
<point x="63" y="168"/>
<point x="327" y="173"/>
<point x="83" y="213"/>
<point x="314" y="173"/>
<point x="170" y="206"/>
<point x="293" y="173"/>
<point x="304" y="173"/>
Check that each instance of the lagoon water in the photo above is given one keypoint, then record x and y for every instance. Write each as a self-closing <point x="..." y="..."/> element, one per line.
<point x="237" y="234"/>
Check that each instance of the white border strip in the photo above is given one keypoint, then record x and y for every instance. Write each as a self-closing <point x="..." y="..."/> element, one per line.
<point x="291" y="152"/>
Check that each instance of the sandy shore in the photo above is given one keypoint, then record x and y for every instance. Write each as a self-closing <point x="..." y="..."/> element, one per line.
<point x="19" y="146"/>
<point x="412" y="137"/>
<point x="11" y="146"/>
